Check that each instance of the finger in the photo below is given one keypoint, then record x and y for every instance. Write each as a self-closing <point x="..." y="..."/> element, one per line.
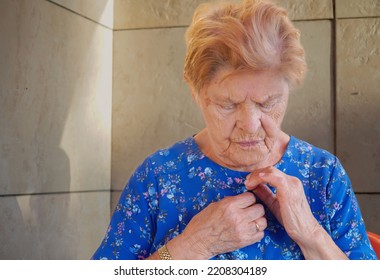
<point x="261" y="224"/>
<point x="244" y="200"/>
<point x="273" y="177"/>
<point x="268" y="175"/>
<point x="254" y="212"/>
<point x="254" y="178"/>
<point x="266" y="196"/>
<point x="253" y="181"/>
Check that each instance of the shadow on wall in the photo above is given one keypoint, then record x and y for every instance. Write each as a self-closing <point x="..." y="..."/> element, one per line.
<point x="41" y="66"/>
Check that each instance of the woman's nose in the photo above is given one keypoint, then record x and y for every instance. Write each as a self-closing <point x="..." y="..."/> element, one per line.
<point x="248" y="119"/>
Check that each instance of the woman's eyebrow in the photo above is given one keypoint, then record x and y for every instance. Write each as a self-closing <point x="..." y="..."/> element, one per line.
<point x="270" y="98"/>
<point x="274" y="96"/>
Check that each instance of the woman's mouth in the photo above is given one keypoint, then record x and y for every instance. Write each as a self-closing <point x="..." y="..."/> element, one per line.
<point x="247" y="145"/>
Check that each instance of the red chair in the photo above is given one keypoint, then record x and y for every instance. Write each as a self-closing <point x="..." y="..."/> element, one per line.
<point x="375" y="242"/>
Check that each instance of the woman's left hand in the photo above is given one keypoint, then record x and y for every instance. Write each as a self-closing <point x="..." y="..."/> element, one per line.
<point x="291" y="208"/>
<point x="289" y="205"/>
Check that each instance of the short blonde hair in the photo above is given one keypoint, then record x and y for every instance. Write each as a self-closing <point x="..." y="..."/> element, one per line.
<point x="254" y="35"/>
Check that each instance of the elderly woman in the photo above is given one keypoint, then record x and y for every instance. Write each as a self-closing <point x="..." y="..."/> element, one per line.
<point x="241" y="188"/>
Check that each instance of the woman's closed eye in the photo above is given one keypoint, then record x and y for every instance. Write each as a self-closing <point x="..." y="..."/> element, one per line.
<point x="228" y="106"/>
<point x="267" y="106"/>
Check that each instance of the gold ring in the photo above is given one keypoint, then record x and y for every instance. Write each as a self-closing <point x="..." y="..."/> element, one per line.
<point x="257" y="226"/>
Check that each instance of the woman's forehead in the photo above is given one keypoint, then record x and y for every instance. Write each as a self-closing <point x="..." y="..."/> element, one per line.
<point x="232" y="85"/>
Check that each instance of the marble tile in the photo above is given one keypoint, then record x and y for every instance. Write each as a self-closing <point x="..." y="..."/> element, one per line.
<point x="55" y="106"/>
<point x="309" y="115"/>
<point x="53" y="227"/>
<point x="308" y="9"/>
<point x="358" y="101"/>
<point x="131" y="14"/>
<point x="370" y="208"/>
<point x="100" y="11"/>
<point x="152" y="105"/>
<point x="355" y="8"/>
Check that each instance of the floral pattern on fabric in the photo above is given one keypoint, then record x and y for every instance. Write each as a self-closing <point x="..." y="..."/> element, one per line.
<point x="174" y="184"/>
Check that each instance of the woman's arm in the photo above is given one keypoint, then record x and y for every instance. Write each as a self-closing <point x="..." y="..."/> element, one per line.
<point x="320" y="246"/>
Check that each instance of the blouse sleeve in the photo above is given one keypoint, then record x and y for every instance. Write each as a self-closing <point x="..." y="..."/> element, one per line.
<point x="347" y="225"/>
<point x="132" y="228"/>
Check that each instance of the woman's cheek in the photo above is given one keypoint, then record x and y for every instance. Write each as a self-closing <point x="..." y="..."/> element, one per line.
<point x="277" y="114"/>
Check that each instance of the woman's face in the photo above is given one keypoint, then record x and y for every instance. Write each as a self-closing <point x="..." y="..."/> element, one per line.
<point x="243" y="114"/>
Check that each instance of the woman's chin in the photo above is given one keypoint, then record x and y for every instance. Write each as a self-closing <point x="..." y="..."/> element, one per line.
<point x="249" y="163"/>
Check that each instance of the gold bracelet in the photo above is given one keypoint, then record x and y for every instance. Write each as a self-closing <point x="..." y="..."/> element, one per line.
<point x="164" y="253"/>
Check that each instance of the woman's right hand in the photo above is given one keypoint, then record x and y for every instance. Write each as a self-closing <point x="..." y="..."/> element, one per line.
<point x="224" y="226"/>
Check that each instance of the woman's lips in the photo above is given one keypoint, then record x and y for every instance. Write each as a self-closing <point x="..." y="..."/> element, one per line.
<point x="249" y="144"/>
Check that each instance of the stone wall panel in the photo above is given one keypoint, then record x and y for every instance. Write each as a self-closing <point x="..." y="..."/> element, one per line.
<point x="100" y="11"/>
<point x="152" y="105"/>
<point x="132" y="14"/>
<point x="53" y="227"/>
<point x="369" y="206"/>
<point x="55" y="110"/>
<point x="358" y="101"/>
<point x="356" y="8"/>
<point x="310" y="111"/>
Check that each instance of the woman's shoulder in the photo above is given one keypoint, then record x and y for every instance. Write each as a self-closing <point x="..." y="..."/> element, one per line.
<point x="177" y="156"/>
<point x="302" y="151"/>
<point x="308" y="161"/>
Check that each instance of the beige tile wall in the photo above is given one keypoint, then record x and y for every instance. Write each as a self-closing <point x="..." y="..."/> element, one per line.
<point x="308" y="9"/>
<point x="358" y="100"/>
<point x="310" y="110"/>
<point x="369" y="205"/>
<point x="357" y="8"/>
<point x="152" y="107"/>
<point x="132" y="14"/>
<point x="53" y="226"/>
<point x="66" y="66"/>
<point x="100" y="11"/>
<point x="55" y="123"/>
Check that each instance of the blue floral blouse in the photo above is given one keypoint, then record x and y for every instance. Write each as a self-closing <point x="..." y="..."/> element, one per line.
<point x="174" y="184"/>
